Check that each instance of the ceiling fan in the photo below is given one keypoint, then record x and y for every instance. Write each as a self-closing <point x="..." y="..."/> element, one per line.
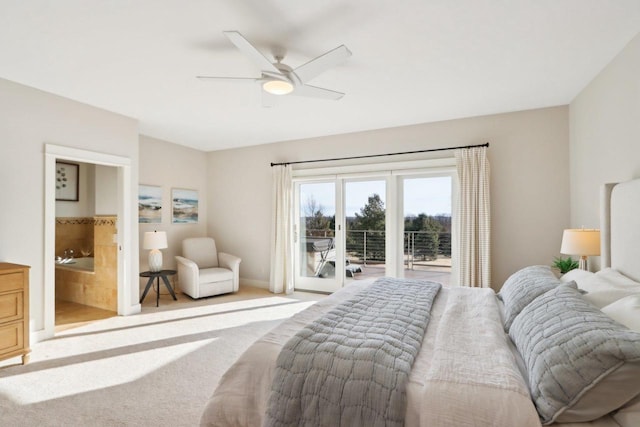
<point x="278" y="78"/>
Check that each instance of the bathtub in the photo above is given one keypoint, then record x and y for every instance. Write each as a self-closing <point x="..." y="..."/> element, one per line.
<point x="78" y="264"/>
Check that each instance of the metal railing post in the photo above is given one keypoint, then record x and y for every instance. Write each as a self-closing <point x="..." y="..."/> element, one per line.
<point x="413" y="249"/>
<point x="365" y="248"/>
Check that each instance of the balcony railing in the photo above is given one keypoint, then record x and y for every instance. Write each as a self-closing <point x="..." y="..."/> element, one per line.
<point x="367" y="247"/>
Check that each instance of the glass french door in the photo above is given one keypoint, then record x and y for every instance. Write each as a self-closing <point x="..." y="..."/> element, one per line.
<point x="339" y="231"/>
<point x="426" y="227"/>
<point x="365" y="228"/>
<point x="368" y="225"/>
<point x="316" y="235"/>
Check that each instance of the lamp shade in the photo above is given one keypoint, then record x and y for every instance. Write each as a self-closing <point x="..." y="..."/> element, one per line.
<point x="155" y="240"/>
<point x="580" y="242"/>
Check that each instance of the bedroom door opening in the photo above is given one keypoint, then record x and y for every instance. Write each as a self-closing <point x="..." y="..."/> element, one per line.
<point x="356" y="223"/>
<point x="365" y="237"/>
<point x="315" y="236"/>
<point x="127" y="295"/>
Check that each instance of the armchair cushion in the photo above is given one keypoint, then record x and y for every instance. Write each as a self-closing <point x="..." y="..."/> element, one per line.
<point x="201" y="250"/>
<point x="210" y="275"/>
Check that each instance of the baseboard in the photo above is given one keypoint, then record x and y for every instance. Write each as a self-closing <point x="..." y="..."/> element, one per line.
<point x="39" y="336"/>
<point x="133" y="309"/>
<point x="255" y="283"/>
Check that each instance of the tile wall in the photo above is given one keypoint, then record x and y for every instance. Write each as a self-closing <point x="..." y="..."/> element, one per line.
<point x="100" y="287"/>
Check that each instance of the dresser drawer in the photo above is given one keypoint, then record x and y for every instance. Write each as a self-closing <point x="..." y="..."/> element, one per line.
<point x="11" y="337"/>
<point x="11" y="307"/>
<point x="11" y="282"/>
<point x="14" y="311"/>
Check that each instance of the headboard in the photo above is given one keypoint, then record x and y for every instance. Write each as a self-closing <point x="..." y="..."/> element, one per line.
<point x="620" y="227"/>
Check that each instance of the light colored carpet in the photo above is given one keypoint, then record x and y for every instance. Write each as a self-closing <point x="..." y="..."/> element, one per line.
<point x="157" y="368"/>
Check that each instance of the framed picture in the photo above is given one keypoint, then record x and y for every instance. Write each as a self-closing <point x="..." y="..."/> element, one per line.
<point x="67" y="175"/>
<point x="185" y="206"/>
<point x="149" y="204"/>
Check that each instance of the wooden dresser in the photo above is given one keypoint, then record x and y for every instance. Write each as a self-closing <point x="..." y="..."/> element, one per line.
<point x="14" y="311"/>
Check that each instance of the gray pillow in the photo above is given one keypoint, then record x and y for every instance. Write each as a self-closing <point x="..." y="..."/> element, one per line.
<point x="524" y="286"/>
<point x="581" y="363"/>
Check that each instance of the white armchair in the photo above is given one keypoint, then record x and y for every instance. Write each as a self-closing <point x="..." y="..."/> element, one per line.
<point x="203" y="271"/>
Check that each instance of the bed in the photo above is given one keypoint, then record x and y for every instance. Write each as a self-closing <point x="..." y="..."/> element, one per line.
<point x="545" y="350"/>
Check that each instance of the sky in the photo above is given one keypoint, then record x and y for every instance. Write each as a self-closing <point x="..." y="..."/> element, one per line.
<point x="421" y="195"/>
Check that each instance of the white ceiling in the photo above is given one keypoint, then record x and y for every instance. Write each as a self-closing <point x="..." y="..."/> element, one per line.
<point x="414" y="61"/>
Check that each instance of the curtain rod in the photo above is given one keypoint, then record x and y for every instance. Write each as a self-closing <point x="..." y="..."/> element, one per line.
<point x="486" y="144"/>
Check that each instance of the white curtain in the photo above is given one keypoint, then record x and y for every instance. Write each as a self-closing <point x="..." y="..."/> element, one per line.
<point x="281" y="246"/>
<point x="472" y="218"/>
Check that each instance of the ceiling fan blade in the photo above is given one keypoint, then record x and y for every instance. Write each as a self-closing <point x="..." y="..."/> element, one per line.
<point x="318" y="65"/>
<point x="316" y="92"/>
<point x="248" y="49"/>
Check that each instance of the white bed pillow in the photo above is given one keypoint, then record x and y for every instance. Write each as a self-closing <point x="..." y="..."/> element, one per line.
<point x="615" y="276"/>
<point x="606" y="286"/>
<point x="625" y="311"/>
<point x="575" y="275"/>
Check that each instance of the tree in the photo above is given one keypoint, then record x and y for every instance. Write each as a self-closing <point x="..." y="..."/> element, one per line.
<point x="372" y="215"/>
<point x="432" y="237"/>
<point x="370" y="220"/>
<point x="427" y="244"/>
<point x="315" y="219"/>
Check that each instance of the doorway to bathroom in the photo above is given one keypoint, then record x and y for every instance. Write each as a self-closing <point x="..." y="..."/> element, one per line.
<point x="86" y="281"/>
<point x="108" y="193"/>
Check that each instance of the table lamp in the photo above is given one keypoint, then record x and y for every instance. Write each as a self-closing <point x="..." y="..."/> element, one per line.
<point x="581" y="242"/>
<point x="155" y="240"/>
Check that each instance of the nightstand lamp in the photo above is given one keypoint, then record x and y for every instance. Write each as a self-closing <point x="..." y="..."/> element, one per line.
<point x="581" y="242"/>
<point x="155" y="240"/>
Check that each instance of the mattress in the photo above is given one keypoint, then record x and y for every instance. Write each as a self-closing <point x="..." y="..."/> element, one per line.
<point x="467" y="372"/>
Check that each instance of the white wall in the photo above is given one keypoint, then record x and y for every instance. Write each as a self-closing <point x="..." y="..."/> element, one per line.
<point x="29" y="119"/>
<point x="529" y="154"/>
<point x="85" y="206"/>
<point x="605" y="135"/>
<point x="106" y="190"/>
<point x="173" y="166"/>
<point x="97" y="193"/>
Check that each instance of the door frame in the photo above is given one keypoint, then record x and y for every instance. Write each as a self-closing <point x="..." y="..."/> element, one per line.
<point x="53" y="153"/>
<point x="392" y="172"/>
<point x="399" y="224"/>
<point x="308" y="283"/>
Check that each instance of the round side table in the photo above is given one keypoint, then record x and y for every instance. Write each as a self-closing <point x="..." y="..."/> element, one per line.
<point x="157" y="275"/>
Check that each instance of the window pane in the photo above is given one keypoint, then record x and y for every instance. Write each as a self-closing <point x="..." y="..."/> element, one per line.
<point x="317" y="230"/>
<point x="365" y="229"/>
<point x="427" y="228"/>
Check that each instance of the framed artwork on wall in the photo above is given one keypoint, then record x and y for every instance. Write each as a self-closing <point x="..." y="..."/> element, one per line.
<point x="67" y="175"/>
<point x="149" y="204"/>
<point x="184" y="206"/>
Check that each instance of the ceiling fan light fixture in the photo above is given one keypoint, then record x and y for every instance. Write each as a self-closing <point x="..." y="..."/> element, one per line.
<point x="277" y="87"/>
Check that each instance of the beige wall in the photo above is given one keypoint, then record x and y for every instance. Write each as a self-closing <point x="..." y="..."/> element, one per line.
<point x="85" y="206"/>
<point x="605" y="135"/>
<point x="97" y="192"/>
<point x="106" y="190"/>
<point x="172" y="166"/>
<point x="30" y="118"/>
<point x="529" y="154"/>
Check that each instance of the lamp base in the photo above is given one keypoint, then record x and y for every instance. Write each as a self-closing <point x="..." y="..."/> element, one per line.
<point x="155" y="260"/>
<point x="582" y="265"/>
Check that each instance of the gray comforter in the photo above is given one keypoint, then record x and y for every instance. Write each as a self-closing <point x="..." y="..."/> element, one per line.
<point x="350" y="367"/>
